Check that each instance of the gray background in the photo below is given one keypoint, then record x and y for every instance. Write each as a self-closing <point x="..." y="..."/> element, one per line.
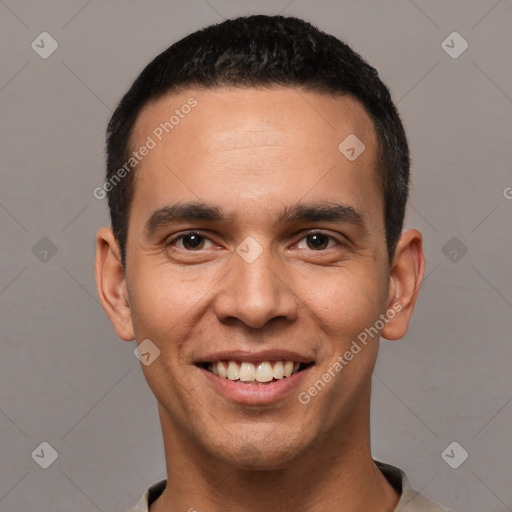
<point x="66" y="379"/>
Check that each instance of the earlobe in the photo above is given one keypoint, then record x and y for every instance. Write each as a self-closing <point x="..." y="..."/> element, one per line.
<point x="406" y="276"/>
<point x="111" y="284"/>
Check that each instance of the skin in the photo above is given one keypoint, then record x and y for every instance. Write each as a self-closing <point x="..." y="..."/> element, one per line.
<point x="253" y="152"/>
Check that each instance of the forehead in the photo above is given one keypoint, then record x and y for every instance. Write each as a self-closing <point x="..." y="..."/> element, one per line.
<point x="250" y="147"/>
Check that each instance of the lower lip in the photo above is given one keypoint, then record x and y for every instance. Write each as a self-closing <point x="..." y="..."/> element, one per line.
<point x="253" y="394"/>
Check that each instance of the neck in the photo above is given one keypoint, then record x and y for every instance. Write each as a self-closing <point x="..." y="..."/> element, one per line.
<point x="337" y="473"/>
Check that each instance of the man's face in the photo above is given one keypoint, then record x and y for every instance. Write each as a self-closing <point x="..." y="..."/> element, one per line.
<point x="252" y="284"/>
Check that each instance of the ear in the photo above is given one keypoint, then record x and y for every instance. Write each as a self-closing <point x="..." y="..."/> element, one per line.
<point x="406" y="275"/>
<point x="111" y="284"/>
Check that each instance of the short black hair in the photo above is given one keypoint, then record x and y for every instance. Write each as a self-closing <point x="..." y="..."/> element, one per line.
<point x="261" y="51"/>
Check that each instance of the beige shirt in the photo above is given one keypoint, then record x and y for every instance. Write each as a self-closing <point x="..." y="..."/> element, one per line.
<point x="410" y="499"/>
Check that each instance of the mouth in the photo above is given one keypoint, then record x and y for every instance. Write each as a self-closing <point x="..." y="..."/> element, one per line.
<point x="253" y="378"/>
<point x="260" y="373"/>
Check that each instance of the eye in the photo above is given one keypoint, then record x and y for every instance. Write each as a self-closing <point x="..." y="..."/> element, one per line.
<point x="191" y="241"/>
<point x="317" y="241"/>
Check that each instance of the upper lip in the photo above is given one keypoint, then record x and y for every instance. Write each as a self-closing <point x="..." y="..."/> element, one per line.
<point x="255" y="357"/>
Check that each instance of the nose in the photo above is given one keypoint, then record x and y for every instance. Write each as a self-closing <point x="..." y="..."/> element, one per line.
<point x="255" y="293"/>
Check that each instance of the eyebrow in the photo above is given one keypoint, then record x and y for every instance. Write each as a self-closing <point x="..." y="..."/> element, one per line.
<point x="301" y="212"/>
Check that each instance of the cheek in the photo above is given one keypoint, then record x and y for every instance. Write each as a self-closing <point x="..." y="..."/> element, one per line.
<point x="167" y="305"/>
<point x="163" y="310"/>
<point x="157" y="303"/>
<point x="345" y="303"/>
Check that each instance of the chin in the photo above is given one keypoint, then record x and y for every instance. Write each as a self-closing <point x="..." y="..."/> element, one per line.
<point x="267" y="452"/>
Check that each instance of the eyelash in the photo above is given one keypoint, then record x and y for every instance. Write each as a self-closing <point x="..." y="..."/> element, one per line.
<point x="169" y="243"/>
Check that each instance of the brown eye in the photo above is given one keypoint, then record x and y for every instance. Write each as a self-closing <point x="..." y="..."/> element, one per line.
<point x="193" y="241"/>
<point x="189" y="242"/>
<point x="317" y="241"/>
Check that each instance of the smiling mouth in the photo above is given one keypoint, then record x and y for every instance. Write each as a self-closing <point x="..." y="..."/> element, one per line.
<point x="260" y="373"/>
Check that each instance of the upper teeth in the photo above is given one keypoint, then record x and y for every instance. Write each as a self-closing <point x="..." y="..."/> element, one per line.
<point x="248" y="372"/>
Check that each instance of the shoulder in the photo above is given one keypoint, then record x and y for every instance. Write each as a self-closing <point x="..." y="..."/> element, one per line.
<point x="411" y="500"/>
<point x="151" y="494"/>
